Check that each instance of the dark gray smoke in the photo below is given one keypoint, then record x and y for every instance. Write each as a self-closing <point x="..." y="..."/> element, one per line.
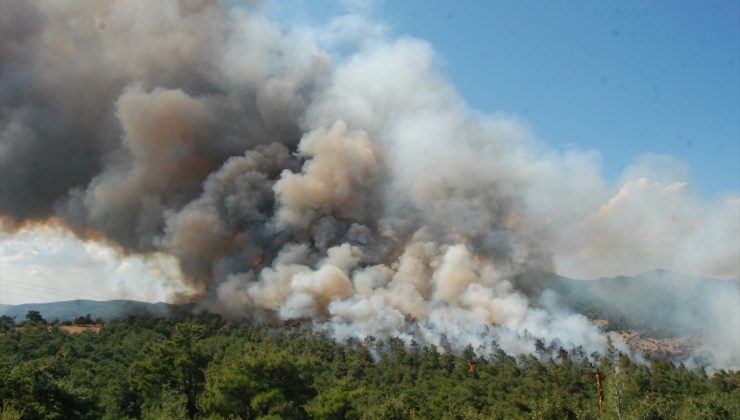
<point x="358" y="192"/>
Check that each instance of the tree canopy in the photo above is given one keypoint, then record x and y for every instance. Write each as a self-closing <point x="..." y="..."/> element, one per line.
<point x="204" y="367"/>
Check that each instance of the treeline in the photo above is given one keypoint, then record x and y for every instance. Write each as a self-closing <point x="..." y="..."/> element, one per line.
<point x="203" y="367"/>
<point x="35" y="318"/>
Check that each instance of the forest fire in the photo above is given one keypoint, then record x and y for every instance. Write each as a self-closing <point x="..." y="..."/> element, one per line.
<point x="357" y="191"/>
<point x="287" y="209"/>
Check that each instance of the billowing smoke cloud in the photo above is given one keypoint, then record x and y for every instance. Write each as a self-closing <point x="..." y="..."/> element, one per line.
<point x="359" y="192"/>
<point x="654" y="220"/>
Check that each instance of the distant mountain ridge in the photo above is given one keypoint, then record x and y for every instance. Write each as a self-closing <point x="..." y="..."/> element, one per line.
<point x="105" y="310"/>
<point x="660" y="303"/>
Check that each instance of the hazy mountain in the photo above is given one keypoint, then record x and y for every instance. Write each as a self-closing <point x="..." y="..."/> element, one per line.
<point x="106" y="310"/>
<point x="657" y="302"/>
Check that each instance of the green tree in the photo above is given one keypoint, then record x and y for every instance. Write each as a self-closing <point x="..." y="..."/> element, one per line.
<point x="256" y="384"/>
<point x="83" y="320"/>
<point x="6" y="323"/>
<point x="335" y="403"/>
<point x="34" y="317"/>
<point x="35" y="389"/>
<point x="176" y="364"/>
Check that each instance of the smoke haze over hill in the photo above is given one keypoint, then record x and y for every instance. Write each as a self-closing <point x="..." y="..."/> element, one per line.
<point x="357" y="190"/>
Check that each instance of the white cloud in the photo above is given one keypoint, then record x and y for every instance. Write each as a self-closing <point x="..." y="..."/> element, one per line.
<point x="49" y="264"/>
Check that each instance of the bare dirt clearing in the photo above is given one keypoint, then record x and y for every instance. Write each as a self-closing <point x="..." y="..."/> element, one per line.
<point x="76" y="329"/>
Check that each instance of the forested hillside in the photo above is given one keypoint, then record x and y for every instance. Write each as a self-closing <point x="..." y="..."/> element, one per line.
<point x="105" y="310"/>
<point x="658" y="303"/>
<point x="203" y="367"/>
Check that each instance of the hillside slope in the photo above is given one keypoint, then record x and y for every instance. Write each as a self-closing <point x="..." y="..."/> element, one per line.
<point x="659" y="303"/>
<point x="106" y="310"/>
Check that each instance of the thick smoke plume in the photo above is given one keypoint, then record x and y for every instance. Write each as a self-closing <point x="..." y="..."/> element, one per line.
<point x="356" y="190"/>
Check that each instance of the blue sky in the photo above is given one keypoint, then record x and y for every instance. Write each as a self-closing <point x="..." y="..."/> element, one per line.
<point x="621" y="77"/>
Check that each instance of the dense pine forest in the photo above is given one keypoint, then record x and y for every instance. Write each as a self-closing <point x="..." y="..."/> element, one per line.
<point x="204" y="367"/>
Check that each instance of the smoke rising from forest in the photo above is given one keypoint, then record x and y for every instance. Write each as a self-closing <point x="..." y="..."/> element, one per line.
<point x="357" y="190"/>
